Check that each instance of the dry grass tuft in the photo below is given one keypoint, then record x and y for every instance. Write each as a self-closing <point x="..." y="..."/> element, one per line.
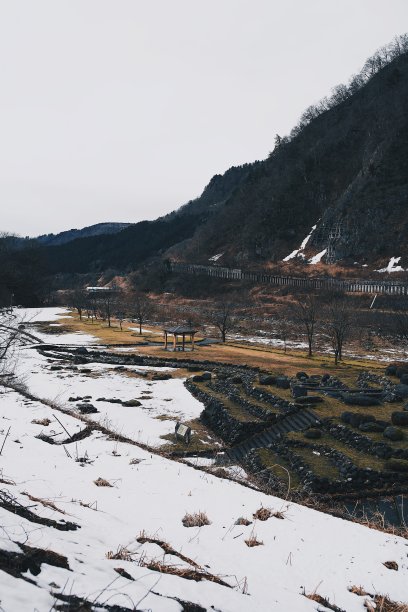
<point x="253" y="541"/>
<point x="262" y="514"/>
<point x="243" y="521"/>
<point x="134" y="461"/>
<point x="166" y="547"/>
<point x="187" y="573"/>
<point x="383" y="604"/>
<point x="323" y="602"/>
<point x="358" y="590"/>
<point x="44" y="422"/>
<point x="44" y="502"/>
<point x="197" y="519"/>
<point x="122" y="554"/>
<point x="101" y="482"/>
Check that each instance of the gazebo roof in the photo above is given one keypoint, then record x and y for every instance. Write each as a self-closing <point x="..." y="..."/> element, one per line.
<point x="180" y="329"/>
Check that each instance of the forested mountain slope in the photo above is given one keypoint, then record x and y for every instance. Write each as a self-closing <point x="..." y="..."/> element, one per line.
<point x="343" y="169"/>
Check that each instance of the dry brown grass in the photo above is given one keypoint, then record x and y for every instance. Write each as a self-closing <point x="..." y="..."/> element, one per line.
<point x="196" y="519"/>
<point x="45" y="422"/>
<point x="243" y="521"/>
<point x="323" y="602"/>
<point x="358" y="590"/>
<point x="186" y="572"/>
<point x="253" y="540"/>
<point x="44" y="502"/>
<point x="102" y="482"/>
<point x="263" y="514"/>
<point x="384" y="604"/>
<point x="253" y="355"/>
<point x="167" y="548"/>
<point x="122" y="554"/>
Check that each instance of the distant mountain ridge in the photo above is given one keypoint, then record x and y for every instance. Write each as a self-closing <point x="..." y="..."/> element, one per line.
<point x="91" y="230"/>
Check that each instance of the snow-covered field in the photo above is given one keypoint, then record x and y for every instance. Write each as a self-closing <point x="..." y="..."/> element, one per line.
<point x="147" y="500"/>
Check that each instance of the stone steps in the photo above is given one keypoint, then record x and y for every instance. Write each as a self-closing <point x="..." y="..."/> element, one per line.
<point x="295" y="422"/>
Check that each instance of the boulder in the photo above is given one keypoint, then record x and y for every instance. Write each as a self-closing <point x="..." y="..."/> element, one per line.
<point x="399" y="418"/>
<point x="373" y="426"/>
<point x="391" y="370"/>
<point x="161" y="376"/>
<point x="80" y="360"/>
<point x="298" y="391"/>
<point x="131" y="403"/>
<point x="404" y="379"/>
<point x="359" y="399"/>
<point x="81" y="351"/>
<point x="267" y="380"/>
<point x="206" y="375"/>
<point x="401" y="391"/>
<point x="313" y="433"/>
<point x="401" y="371"/>
<point x="393" y="433"/>
<point x="302" y="376"/>
<point x="357" y="419"/>
<point x="197" y="378"/>
<point x="345" y="417"/>
<point x="86" y="408"/>
<point x="237" y="380"/>
<point x="282" y="382"/>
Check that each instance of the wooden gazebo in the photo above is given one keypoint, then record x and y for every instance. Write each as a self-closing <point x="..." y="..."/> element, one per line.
<point x="176" y="332"/>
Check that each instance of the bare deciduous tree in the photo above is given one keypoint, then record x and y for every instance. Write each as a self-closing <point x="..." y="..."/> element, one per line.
<point x="78" y="299"/>
<point x="223" y="318"/>
<point x="305" y="313"/>
<point x="141" y="308"/>
<point x="338" y="324"/>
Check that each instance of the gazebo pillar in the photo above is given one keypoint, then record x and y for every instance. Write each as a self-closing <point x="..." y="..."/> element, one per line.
<point x="174" y="341"/>
<point x="184" y="341"/>
<point x="165" y="341"/>
<point x="192" y="341"/>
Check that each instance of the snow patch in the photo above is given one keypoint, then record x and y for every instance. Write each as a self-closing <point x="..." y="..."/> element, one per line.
<point x="216" y="257"/>
<point x="298" y="252"/>
<point x="392" y="267"/>
<point x="317" y="258"/>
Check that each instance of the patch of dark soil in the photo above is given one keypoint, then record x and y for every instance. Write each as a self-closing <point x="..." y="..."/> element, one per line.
<point x="16" y="564"/>
<point x="72" y="603"/>
<point x="10" y="503"/>
<point x="187" y="606"/>
<point x="80" y="435"/>
<point x="45" y="438"/>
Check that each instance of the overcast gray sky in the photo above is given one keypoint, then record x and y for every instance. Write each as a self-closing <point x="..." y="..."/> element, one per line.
<point x="122" y="110"/>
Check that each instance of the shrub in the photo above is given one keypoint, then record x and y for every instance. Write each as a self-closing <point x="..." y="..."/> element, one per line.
<point x="197" y="519"/>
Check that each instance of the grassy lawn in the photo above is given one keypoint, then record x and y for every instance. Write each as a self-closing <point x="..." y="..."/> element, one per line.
<point x="319" y="464"/>
<point x="267" y="358"/>
<point x="360" y="460"/>
<point x="278" y="466"/>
